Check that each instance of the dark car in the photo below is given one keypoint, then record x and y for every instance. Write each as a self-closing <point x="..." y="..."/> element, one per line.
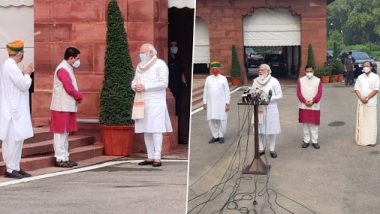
<point x="253" y="61"/>
<point x="360" y="57"/>
<point x="277" y="63"/>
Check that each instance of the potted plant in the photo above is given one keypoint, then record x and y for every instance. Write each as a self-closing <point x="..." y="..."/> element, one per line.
<point x="117" y="127"/>
<point x="235" y="68"/>
<point x="322" y="73"/>
<point x="337" y="68"/>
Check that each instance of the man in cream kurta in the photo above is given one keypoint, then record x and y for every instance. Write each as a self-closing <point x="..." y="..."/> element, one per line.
<point x="309" y="93"/>
<point x="151" y="80"/>
<point x="63" y="106"/>
<point x="366" y="89"/>
<point x="269" y="125"/>
<point x="15" y="121"/>
<point x="216" y="99"/>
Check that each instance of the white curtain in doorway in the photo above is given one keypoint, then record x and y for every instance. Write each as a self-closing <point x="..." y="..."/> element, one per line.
<point x="201" y="42"/>
<point x="181" y="3"/>
<point x="17" y="22"/>
<point x="272" y="27"/>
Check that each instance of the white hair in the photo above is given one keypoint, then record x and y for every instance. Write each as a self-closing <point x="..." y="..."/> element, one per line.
<point x="151" y="48"/>
<point x="266" y="66"/>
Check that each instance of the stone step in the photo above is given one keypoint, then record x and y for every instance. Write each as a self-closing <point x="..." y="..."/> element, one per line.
<point x="48" y="160"/>
<point x="44" y="147"/>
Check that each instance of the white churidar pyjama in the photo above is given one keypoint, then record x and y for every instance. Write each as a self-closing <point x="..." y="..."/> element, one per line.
<point x="218" y="128"/>
<point x="271" y="139"/>
<point x="61" y="146"/>
<point x="12" y="150"/>
<point x="153" y="143"/>
<point x="310" y="132"/>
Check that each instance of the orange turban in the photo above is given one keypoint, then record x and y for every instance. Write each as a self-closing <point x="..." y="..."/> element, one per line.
<point x="15" y="46"/>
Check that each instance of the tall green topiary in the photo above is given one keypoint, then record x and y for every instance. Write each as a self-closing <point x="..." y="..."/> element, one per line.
<point x="116" y="96"/>
<point x="235" y="66"/>
<point x="310" y="56"/>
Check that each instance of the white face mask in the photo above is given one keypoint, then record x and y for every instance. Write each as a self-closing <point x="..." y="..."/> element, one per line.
<point x="366" y="69"/>
<point x="309" y="75"/>
<point x="143" y="57"/>
<point x="173" y="50"/>
<point x="76" y="64"/>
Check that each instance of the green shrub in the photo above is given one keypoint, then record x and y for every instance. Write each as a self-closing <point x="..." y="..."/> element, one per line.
<point x="310" y="56"/>
<point x="116" y="96"/>
<point x="235" y="65"/>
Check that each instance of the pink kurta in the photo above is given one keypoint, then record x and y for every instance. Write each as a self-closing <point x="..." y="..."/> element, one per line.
<point x="65" y="121"/>
<point x="308" y="115"/>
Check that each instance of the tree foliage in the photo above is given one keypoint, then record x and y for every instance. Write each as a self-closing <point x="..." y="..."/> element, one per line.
<point x="357" y="21"/>
<point x="116" y="96"/>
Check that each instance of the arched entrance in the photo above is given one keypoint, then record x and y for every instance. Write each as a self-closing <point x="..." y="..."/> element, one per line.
<point x="272" y="36"/>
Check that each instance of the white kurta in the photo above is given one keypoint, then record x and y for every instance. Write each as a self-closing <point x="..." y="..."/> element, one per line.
<point x="156" y="117"/>
<point x="216" y="95"/>
<point x="271" y="117"/>
<point x="14" y="101"/>
<point x="366" y="119"/>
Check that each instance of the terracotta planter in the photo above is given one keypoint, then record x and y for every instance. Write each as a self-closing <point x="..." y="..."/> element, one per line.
<point x="325" y="79"/>
<point x="334" y="78"/>
<point x="236" y="80"/>
<point x="117" y="140"/>
<point x="340" y="78"/>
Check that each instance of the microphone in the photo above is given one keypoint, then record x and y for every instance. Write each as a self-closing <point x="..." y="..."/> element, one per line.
<point x="269" y="95"/>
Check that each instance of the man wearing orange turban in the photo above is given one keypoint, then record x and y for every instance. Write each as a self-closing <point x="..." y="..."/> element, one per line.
<point x="15" y="121"/>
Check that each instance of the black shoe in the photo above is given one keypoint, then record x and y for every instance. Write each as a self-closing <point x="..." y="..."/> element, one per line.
<point x="23" y="173"/>
<point x="156" y="164"/>
<point x="63" y="164"/>
<point x="145" y="162"/>
<point x="72" y="163"/>
<point x="273" y="154"/>
<point x="372" y="145"/>
<point x="261" y="153"/>
<point x="13" y="174"/>
<point x="213" y="140"/>
<point x="316" y="145"/>
<point x="221" y="140"/>
<point x="305" y="145"/>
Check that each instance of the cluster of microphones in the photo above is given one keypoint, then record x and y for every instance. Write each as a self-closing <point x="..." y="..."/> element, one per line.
<point x="256" y="96"/>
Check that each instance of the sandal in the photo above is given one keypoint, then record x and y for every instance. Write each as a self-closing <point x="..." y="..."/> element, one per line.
<point x="63" y="164"/>
<point x="146" y="162"/>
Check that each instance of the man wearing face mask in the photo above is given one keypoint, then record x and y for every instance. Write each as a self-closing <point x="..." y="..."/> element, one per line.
<point x="176" y="75"/>
<point x="269" y="124"/>
<point x="349" y="68"/>
<point x="65" y="98"/>
<point x="151" y="80"/>
<point x="366" y="89"/>
<point x="216" y="100"/>
<point x="15" y="121"/>
<point x="309" y="93"/>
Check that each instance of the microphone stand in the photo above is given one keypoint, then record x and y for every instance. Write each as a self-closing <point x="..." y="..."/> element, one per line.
<point x="257" y="166"/>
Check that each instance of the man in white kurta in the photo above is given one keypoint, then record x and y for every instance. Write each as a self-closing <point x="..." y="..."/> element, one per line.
<point x="366" y="89"/>
<point x="151" y="80"/>
<point x="15" y="121"/>
<point x="269" y="117"/>
<point x="216" y="100"/>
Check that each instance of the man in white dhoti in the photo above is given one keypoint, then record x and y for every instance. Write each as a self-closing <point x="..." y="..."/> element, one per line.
<point x="151" y="80"/>
<point x="216" y="100"/>
<point x="309" y="93"/>
<point x="15" y="121"/>
<point x="366" y="89"/>
<point x="269" y="117"/>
